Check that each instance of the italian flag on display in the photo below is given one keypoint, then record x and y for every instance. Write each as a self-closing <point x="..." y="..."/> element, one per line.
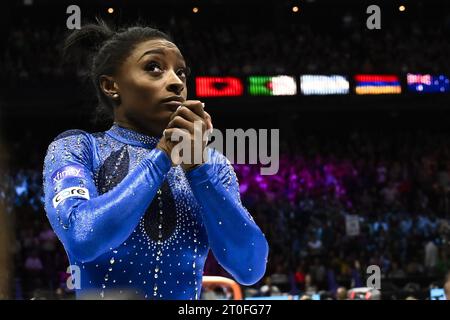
<point x="272" y="86"/>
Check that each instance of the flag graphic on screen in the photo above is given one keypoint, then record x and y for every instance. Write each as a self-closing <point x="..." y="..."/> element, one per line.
<point x="323" y="84"/>
<point x="218" y="87"/>
<point x="377" y="84"/>
<point x="272" y="86"/>
<point x="427" y="83"/>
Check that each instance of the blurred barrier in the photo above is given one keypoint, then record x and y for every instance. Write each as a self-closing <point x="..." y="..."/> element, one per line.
<point x="5" y="227"/>
<point x="284" y="297"/>
<point x="211" y="282"/>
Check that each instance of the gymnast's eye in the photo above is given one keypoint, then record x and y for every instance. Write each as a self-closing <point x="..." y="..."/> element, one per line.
<point x="183" y="73"/>
<point x="153" y="66"/>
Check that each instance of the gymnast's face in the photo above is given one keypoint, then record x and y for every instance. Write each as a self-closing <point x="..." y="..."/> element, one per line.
<point x="154" y="70"/>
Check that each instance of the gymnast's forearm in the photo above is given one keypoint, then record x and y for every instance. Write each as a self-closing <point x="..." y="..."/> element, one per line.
<point x="94" y="226"/>
<point x="235" y="239"/>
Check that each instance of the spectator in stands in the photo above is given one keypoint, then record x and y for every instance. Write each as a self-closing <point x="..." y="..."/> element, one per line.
<point x="431" y="256"/>
<point x="341" y="293"/>
<point x="447" y="286"/>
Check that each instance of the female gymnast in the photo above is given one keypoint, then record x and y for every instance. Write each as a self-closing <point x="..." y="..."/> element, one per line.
<point x="130" y="218"/>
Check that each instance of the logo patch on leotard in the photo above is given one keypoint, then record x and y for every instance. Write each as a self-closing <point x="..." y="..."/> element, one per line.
<point x="69" y="171"/>
<point x="73" y="192"/>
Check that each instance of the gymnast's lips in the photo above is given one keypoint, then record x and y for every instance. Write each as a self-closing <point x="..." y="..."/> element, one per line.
<point x="172" y="103"/>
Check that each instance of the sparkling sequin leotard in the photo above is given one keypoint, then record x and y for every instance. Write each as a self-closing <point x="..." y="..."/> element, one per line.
<point x="131" y="222"/>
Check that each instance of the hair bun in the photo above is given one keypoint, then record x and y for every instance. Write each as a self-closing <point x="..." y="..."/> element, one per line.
<point x="82" y="43"/>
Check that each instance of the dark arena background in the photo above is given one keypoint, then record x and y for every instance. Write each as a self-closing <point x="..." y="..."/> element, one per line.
<point x="360" y="206"/>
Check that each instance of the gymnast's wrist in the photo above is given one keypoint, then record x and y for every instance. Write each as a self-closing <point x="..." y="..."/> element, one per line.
<point x="159" y="159"/>
<point x="191" y="167"/>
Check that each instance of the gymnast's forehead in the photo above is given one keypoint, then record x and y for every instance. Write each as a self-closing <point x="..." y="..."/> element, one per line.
<point x="159" y="47"/>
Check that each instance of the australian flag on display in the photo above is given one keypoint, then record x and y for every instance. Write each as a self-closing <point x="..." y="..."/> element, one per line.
<point x="426" y="83"/>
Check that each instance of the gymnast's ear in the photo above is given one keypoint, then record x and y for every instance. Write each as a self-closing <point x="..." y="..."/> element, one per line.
<point x="109" y="86"/>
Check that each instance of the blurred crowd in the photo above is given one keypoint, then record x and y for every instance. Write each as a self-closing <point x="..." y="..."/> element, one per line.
<point x="395" y="184"/>
<point x="300" y="48"/>
<point x="32" y="52"/>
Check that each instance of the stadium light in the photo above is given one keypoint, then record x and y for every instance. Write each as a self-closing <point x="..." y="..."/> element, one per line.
<point x="110" y="10"/>
<point x="402" y="8"/>
<point x="295" y="9"/>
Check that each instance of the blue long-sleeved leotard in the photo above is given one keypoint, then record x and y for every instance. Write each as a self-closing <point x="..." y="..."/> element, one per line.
<point x="131" y="223"/>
